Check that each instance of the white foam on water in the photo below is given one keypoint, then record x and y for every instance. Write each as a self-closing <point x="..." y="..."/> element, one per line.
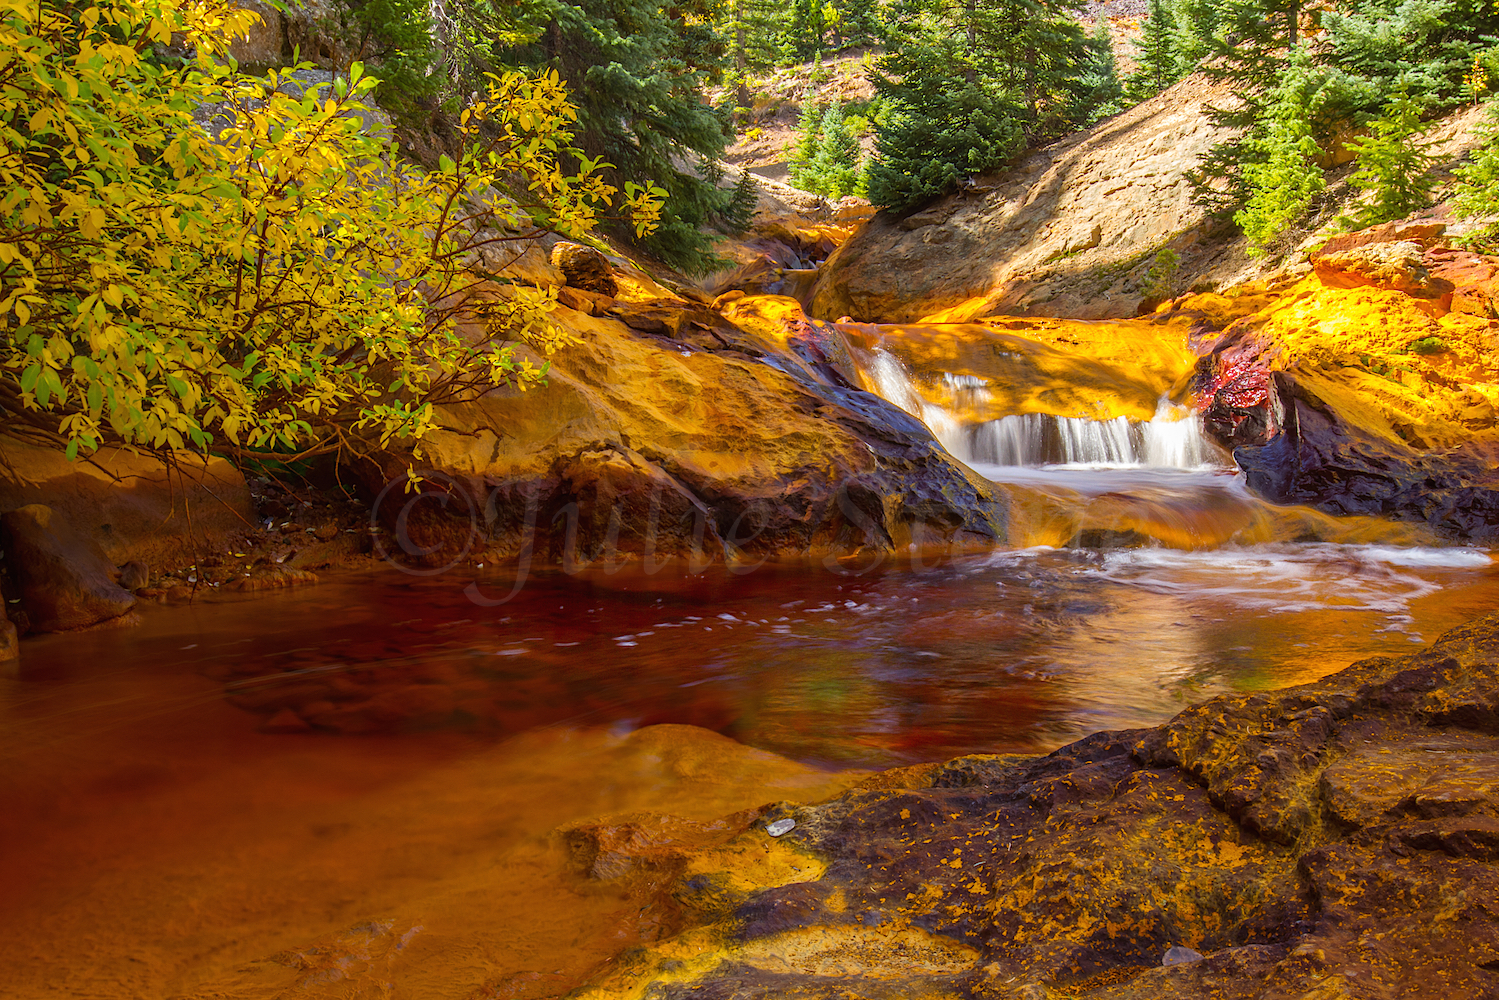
<point x="1172" y="439"/>
<point x="1291" y="578"/>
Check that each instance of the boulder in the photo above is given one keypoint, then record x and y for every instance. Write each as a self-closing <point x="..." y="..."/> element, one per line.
<point x="1262" y="845"/>
<point x="1324" y="455"/>
<point x="669" y="430"/>
<point x="1396" y="266"/>
<point x="130" y="505"/>
<point x="63" y="577"/>
<point x="1364" y="388"/>
<point x="585" y="268"/>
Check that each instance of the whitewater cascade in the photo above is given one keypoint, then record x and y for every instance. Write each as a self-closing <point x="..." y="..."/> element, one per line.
<point x="1173" y="438"/>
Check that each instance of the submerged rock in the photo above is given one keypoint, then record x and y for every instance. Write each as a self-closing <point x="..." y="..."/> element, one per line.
<point x="1342" y="831"/>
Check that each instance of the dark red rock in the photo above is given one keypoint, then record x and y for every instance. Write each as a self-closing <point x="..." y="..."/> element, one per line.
<point x="1344" y="832"/>
<point x="65" y="581"/>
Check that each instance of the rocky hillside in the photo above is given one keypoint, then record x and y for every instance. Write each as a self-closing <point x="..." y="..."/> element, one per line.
<point x="1073" y="229"/>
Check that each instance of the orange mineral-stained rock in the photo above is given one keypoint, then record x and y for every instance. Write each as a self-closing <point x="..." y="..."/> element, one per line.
<point x="1254" y="846"/>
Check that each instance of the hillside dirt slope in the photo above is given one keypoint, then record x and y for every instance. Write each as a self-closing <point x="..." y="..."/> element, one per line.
<point x="1068" y="232"/>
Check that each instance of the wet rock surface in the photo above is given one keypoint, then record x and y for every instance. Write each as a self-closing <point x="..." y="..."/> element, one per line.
<point x="670" y="430"/>
<point x="1366" y="387"/>
<point x="1336" y="839"/>
<point x="1323" y="459"/>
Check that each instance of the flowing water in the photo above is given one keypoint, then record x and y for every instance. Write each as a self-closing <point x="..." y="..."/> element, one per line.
<point x="349" y="790"/>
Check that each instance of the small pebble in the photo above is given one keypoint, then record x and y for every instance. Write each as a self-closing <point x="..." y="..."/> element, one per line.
<point x="1178" y="955"/>
<point x="780" y="827"/>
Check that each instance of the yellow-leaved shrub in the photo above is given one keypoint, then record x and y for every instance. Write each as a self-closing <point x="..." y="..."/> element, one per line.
<point x="282" y="287"/>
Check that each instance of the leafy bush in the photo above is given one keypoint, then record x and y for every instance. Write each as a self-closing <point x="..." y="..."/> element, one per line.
<point x="288" y="286"/>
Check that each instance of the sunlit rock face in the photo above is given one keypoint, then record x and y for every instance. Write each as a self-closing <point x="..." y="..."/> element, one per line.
<point x="1254" y="846"/>
<point x="1365" y="387"/>
<point x="669" y="430"/>
<point x="1070" y="231"/>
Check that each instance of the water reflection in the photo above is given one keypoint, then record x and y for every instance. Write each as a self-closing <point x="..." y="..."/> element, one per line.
<point x="152" y="829"/>
<point x="1015" y="651"/>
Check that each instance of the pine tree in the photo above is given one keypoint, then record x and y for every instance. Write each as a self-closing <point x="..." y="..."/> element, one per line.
<point x="1100" y="94"/>
<point x="808" y="130"/>
<point x="966" y="84"/>
<point x="836" y="165"/>
<point x="740" y="211"/>
<point x="1250" y="50"/>
<point x="860" y="22"/>
<point x="1283" y="177"/>
<point x="1425" y="45"/>
<point x="1393" y="163"/>
<point x="1033" y="49"/>
<point x="1196" y="29"/>
<point x="1157" y="63"/>
<point x="750" y="31"/>
<point x="1478" y="180"/>
<point x="803" y="37"/>
<point x="941" y="122"/>
<point x="637" y="73"/>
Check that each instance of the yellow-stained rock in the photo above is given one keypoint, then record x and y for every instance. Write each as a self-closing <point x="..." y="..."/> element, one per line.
<point x="1342" y="832"/>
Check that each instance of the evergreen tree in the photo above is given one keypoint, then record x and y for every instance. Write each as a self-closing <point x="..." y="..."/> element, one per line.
<point x="942" y="121"/>
<point x="1099" y="94"/>
<point x="1425" y="45"/>
<point x="750" y="31"/>
<point x="860" y="22"/>
<point x="740" y="211"/>
<point x="1032" y="49"/>
<point x="1369" y="48"/>
<point x="394" y="37"/>
<point x="1157" y="63"/>
<point x="1393" y="163"/>
<point x="637" y="71"/>
<point x="1249" y="49"/>
<point x="966" y="83"/>
<point x="808" y="130"/>
<point x="1478" y="180"/>
<point x="957" y="133"/>
<point x="804" y="35"/>
<point x="1196" y="29"/>
<point x="1283" y="176"/>
<point x="835" y="168"/>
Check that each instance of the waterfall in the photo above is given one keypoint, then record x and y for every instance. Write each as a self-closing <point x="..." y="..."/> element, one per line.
<point x="1173" y="438"/>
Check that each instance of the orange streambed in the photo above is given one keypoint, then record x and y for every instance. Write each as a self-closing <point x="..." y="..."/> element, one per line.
<point x="155" y="842"/>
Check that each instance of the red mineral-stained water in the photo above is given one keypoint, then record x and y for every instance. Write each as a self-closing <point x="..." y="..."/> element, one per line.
<point x="350" y="790"/>
<point x="354" y="790"/>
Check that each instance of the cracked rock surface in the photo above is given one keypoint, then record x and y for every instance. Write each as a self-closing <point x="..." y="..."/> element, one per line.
<point x="1337" y="839"/>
